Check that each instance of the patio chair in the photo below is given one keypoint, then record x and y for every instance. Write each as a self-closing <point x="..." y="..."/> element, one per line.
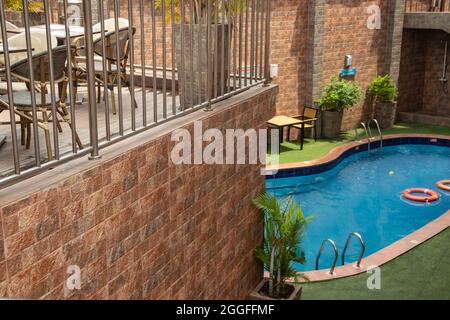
<point x="38" y="43"/>
<point x="309" y="116"/>
<point x="22" y="100"/>
<point x="11" y="30"/>
<point x="114" y="72"/>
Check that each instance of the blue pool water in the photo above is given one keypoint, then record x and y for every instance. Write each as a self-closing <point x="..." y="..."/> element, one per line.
<point x="359" y="195"/>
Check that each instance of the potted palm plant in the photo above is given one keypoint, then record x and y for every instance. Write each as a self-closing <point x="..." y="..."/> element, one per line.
<point x="191" y="50"/>
<point x="284" y="224"/>
<point x="383" y="91"/>
<point x="338" y="96"/>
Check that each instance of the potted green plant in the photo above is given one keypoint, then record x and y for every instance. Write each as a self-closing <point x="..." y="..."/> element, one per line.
<point x="191" y="54"/>
<point x="284" y="224"/>
<point x="14" y="12"/>
<point x="383" y="91"/>
<point x="338" y="96"/>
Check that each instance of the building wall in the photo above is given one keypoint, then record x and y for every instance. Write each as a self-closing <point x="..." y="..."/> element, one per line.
<point x="138" y="226"/>
<point x="289" y="49"/>
<point x="421" y="69"/>
<point x="346" y="32"/>
<point x="412" y="69"/>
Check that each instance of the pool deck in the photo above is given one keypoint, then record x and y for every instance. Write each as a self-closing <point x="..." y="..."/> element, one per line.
<point x="390" y="252"/>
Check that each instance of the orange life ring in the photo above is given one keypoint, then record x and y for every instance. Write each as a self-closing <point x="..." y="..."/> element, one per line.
<point x="444" y="185"/>
<point x="432" y="196"/>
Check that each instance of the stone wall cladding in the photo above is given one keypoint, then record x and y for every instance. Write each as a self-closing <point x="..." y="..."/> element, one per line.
<point x="140" y="227"/>
<point x="420" y="71"/>
<point x="346" y="32"/>
<point x="289" y="49"/>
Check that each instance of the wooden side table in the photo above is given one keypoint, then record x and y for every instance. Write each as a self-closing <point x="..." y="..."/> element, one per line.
<point x="281" y="122"/>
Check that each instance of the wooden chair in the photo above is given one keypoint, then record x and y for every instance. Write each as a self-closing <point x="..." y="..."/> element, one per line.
<point x="309" y="118"/>
<point x="114" y="70"/>
<point x="23" y="102"/>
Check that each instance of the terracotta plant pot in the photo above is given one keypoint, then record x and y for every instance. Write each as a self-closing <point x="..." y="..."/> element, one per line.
<point x="331" y="124"/>
<point x="258" y="295"/>
<point x="385" y="113"/>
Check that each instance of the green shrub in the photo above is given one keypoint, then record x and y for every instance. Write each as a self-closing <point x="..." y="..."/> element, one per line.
<point x="340" y="95"/>
<point x="284" y="224"/>
<point x="17" y="5"/>
<point x="382" y="89"/>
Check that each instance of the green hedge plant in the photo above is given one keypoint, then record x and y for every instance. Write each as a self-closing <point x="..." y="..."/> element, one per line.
<point x="340" y="95"/>
<point x="383" y="89"/>
<point x="284" y="224"/>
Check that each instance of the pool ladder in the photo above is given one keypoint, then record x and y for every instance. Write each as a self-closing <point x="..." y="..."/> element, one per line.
<point x="368" y="131"/>
<point x="336" y="253"/>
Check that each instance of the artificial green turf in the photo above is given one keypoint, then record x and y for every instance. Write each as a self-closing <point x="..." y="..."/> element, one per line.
<point x="422" y="273"/>
<point x="290" y="151"/>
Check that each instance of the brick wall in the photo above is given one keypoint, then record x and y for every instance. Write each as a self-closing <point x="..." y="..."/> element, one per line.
<point x="138" y="226"/>
<point x="289" y="50"/>
<point x="412" y="69"/>
<point x="309" y="54"/>
<point x="346" y="32"/>
<point x="421" y="69"/>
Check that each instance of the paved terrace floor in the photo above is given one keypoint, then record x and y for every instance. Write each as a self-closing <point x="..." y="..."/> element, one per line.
<point x="82" y="123"/>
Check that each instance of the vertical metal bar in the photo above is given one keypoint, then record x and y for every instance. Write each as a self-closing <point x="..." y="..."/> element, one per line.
<point x="9" y="89"/>
<point x="164" y="62"/>
<point x="267" y="44"/>
<point x="223" y="77"/>
<point x="191" y="49"/>
<point x="208" y="55"/>
<point x="143" y="69"/>
<point x="200" y="53"/>
<point x="216" y="46"/>
<point x="182" y="79"/>
<point x="241" y="16"/>
<point x="155" y="92"/>
<point x="247" y="12"/>
<point x="91" y="78"/>
<point x="119" y="76"/>
<point x="229" y="43"/>
<point x="261" y="41"/>
<point x="131" y="78"/>
<point x="252" y="43"/>
<point x="256" y="38"/>
<point x="235" y="44"/>
<point x="172" y="24"/>
<point x="105" y="74"/>
<point x="52" y="79"/>
<point x="70" y="78"/>
<point x="37" y="153"/>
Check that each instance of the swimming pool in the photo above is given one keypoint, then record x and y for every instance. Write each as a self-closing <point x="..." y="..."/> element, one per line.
<point x="362" y="193"/>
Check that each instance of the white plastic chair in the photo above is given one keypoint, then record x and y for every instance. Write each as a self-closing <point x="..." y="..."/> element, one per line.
<point x="11" y="30"/>
<point x="38" y="43"/>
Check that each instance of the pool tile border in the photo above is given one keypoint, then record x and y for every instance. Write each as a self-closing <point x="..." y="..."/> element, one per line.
<point x="396" y="249"/>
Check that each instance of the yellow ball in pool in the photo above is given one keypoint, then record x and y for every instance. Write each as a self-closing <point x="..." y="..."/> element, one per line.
<point x="391" y="173"/>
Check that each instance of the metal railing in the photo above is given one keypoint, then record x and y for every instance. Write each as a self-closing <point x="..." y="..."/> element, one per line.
<point x="427" y="5"/>
<point x="130" y="65"/>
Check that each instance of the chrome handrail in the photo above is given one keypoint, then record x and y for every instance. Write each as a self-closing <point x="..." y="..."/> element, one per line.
<point x="367" y="134"/>
<point x="363" y="248"/>
<point x="336" y="254"/>
<point x="379" y="131"/>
